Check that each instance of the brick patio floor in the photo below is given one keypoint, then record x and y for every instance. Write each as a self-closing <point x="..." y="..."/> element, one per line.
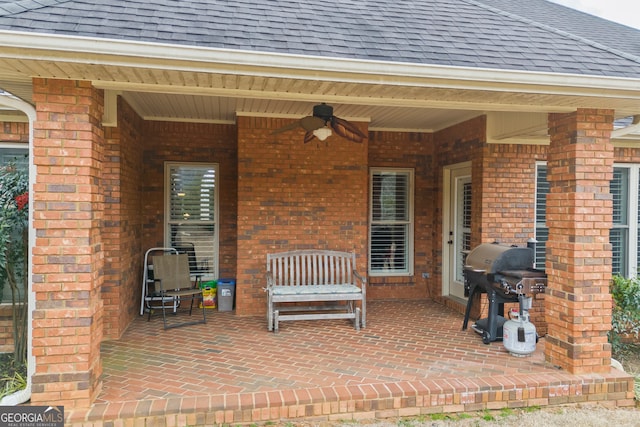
<point x="413" y="358"/>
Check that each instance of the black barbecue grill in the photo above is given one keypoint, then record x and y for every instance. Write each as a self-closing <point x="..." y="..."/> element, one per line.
<point x="505" y="274"/>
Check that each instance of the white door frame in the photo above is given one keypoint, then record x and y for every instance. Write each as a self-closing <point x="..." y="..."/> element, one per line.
<point x="450" y="173"/>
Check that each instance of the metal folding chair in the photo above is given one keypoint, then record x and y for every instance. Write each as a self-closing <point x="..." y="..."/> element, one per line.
<point x="173" y="280"/>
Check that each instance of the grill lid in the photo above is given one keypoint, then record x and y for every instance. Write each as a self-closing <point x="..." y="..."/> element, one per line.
<point x="491" y="258"/>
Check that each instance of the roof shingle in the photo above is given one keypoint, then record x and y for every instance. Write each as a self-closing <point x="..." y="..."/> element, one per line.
<point x="531" y="35"/>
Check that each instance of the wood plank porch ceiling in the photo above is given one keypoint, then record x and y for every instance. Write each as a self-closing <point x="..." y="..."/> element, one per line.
<point x="183" y="91"/>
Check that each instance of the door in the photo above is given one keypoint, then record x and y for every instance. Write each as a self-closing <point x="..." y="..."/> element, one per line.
<point x="457" y="227"/>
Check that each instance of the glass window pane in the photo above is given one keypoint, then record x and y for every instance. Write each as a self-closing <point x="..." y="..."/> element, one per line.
<point x="619" y="188"/>
<point x="191" y="215"/>
<point x="20" y="158"/>
<point x="542" y="232"/>
<point x="389" y="247"/>
<point x="390" y="197"/>
<point x="192" y="193"/>
<point x="542" y="189"/>
<point x="196" y="240"/>
<point x="463" y="226"/>
<point x="17" y="156"/>
<point x="619" y="241"/>
<point x="390" y="222"/>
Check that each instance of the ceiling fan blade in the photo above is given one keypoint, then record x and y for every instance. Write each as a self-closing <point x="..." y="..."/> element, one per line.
<point x="311" y="123"/>
<point x="288" y="127"/>
<point x="347" y="130"/>
<point x="308" y="136"/>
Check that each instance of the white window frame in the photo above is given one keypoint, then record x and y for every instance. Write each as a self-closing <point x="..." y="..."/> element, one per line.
<point x="211" y="271"/>
<point x="631" y="226"/>
<point x="409" y="222"/>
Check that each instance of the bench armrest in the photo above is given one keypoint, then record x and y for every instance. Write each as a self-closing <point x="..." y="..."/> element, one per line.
<point x="269" y="278"/>
<point x="360" y="278"/>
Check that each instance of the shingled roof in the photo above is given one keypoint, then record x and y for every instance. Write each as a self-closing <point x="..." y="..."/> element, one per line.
<point x="525" y="35"/>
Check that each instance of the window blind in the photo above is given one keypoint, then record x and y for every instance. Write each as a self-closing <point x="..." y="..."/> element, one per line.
<point x="192" y="226"/>
<point x="390" y="222"/>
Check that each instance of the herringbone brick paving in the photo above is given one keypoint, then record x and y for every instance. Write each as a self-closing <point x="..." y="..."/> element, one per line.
<point x="403" y="341"/>
<point x="233" y="362"/>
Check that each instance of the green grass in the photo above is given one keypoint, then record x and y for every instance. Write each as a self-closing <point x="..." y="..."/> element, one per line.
<point x="487" y="416"/>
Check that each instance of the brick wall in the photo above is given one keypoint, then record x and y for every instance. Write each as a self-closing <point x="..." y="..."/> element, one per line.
<point x="508" y="192"/>
<point x="190" y="142"/>
<point x="408" y="150"/>
<point x="508" y="204"/>
<point x="456" y="144"/>
<point x="67" y="257"/>
<point x="123" y="221"/>
<point x="293" y="195"/>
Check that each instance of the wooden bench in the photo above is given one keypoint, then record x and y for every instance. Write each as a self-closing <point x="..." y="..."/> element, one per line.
<point x="314" y="276"/>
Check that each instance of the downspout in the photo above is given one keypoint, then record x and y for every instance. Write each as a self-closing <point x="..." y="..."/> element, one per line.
<point x="24" y="395"/>
<point x="633" y="127"/>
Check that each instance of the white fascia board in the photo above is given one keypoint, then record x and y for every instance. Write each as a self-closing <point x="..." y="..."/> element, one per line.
<point x="36" y="46"/>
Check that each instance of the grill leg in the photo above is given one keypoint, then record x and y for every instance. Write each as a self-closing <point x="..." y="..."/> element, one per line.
<point x="467" y="311"/>
<point x="492" y="321"/>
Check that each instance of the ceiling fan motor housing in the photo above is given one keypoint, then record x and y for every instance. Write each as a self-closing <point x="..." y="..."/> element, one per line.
<point x="323" y="111"/>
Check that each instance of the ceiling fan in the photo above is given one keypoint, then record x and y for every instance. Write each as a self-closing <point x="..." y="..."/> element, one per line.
<point x="319" y="125"/>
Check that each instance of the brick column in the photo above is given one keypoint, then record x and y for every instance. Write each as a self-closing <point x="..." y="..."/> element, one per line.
<point x="579" y="216"/>
<point x="67" y="257"/>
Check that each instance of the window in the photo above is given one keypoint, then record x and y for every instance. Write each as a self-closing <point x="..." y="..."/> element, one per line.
<point x="624" y="236"/>
<point x="463" y="224"/>
<point x="17" y="154"/>
<point x="391" y="222"/>
<point x="542" y="232"/>
<point x="191" y="214"/>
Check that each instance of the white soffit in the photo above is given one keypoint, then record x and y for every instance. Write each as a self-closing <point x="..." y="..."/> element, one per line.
<point x="168" y="82"/>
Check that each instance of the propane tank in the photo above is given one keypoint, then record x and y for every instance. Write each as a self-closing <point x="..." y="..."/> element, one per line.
<point x="519" y="334"/>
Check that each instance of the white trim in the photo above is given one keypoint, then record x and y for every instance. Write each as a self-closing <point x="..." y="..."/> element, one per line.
<point x="448" y="221"/>
<point x="633" y="128"/>
<point x="110" y="113"/>
<point x="634" y="183"/>
<point x="407" y="130"/>
<point x="25" y="394"/>
<point x="188" y="120"/>
<point x="53" y="47"/>
<point x="20" y="145"/>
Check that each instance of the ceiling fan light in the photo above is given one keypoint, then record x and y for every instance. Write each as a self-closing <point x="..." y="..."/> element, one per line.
<point x="322" y="133"/>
